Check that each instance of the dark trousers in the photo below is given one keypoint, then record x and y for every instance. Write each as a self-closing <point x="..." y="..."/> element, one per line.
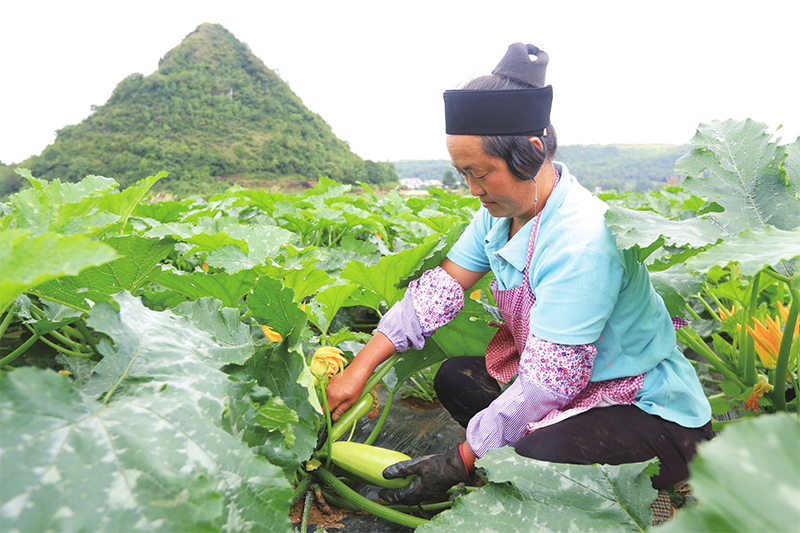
<point x="608" y="435"/>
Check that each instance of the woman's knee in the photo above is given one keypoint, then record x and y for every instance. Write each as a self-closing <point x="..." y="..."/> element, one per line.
<point x="460" y="373"/>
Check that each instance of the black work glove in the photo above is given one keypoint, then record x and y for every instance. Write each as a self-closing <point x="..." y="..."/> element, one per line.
<point x="435" y="475"/>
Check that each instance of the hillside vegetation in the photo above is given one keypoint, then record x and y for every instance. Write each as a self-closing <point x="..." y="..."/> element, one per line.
<point x="212" y="114"/>
<point x="623" y="167"/>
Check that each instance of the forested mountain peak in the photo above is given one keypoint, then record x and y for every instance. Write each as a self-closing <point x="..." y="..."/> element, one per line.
<point x="210" y="46"/>
<point x="211" y="115"/>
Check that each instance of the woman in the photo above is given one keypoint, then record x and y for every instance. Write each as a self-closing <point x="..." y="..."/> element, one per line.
<point x="599" y="376"/>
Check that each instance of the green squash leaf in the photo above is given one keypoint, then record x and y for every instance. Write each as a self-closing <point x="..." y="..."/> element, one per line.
<point x="138" y="259"/>
<point x="31" y="262"/>
<point x="285" y="373"/>
<point x="752" y="191"/>
<point x="383" y="278"/>
<point x="332" y="298"/>
<point x="273" y="305"/>
<point x="304" y="280"/>
<point x="152" y="456"/>
<point x="49" y="206"/>
<point x="752" y="250"/>
<point x="736" y="164"/>
<point x="262" y="243"/>
<point x="200" y="239"/>
<point x="643" y="228"/>
<point x="228" y="288"/>
<point x="437" y="254"/>
<point x="746" y="479"/>
<point x="275" y="416"/>
<point x="124" y="202"/>
<point x="526" y="495"/>
<point x="233" y="338"/>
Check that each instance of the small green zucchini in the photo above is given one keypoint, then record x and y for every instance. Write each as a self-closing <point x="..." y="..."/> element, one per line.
<point x="357" y="411"/>
<point x="366" y="463"/>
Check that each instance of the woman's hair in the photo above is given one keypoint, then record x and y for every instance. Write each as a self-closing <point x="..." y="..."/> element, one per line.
<point x="524" y="159"/>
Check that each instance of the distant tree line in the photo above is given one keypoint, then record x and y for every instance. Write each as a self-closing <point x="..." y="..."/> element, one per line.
<point x="622" y="167"/>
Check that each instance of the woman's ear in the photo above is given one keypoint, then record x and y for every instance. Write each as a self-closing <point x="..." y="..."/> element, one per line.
<point x="537" y="142"/>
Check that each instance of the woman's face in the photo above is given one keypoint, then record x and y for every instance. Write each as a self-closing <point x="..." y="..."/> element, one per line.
<point x="488" y="178"/>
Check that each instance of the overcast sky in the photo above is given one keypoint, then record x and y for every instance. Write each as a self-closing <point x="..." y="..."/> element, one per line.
<point x="622" y="71"/>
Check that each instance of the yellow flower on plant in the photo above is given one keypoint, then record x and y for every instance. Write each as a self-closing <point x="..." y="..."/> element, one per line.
<point x="758" y="391"/>
<point x="724" y="314"/>
<point x="476" y="295"/>
<point x="784" y="312"/>
<point x="327" y="361"/>
<point x="767" y="340"/>
<point x="272" y="335"/>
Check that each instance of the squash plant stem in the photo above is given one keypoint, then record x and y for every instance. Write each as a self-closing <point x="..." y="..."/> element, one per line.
<point x="384" y="414"/>
<point x="329" y="443"/>
<point x="781" y="366"/>
<point x="65" y="351"/>
<point x="306" y="511"/>
<point x="363" y="503"/>
<point x="6" y="321"/>
<point x="87" y="335"/>
<point x="381" y="372"/>
<point x="300" y="490"/>
<point x="747" y="351"/>
<point x="19" y="351"/>
<point x="703" y="350"/>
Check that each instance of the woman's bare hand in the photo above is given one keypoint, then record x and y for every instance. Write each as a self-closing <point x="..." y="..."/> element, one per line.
<point x="343" y="391"/>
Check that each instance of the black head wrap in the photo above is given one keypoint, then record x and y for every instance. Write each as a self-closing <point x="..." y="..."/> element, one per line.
<point x="509" y="112"/>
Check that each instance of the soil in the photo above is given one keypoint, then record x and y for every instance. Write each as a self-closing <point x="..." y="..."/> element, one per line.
<point x="418" y="404"/>
<point x="317" y="519"/>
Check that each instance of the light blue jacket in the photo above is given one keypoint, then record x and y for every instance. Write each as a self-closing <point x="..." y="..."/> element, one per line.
<point x="588" y="291"/>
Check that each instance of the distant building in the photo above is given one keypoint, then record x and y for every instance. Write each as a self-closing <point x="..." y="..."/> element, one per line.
<point x="412" y="183"/>
<point x="416" y="183"/>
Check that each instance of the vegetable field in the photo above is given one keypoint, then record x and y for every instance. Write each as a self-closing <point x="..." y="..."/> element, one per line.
<point x="164" y="363"/>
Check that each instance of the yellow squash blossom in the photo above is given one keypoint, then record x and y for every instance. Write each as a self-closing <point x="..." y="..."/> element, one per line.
<point x="327" y="361"/>
<point x="724" y="314"/>
<point x="476" y="295"/>
<point x="767" y="340"/>
<point x="758" y="391"/>
<point x="272" y="335"/>
<point x="784" y="312"/>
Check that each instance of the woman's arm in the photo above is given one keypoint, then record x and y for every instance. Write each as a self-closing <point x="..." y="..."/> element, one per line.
<point x="344" y="390"/>
<point x="550" y="376"/>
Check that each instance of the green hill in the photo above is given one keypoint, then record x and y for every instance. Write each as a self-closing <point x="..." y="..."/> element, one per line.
<point x="624" y="167"/>
<point x="211" y="115"/>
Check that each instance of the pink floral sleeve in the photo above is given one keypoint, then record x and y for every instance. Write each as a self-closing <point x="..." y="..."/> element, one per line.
<point x="430" y="302"/>
<point x="438" y="298"/>
<point x="562" y="369"/>
<point x="550" y="376"/>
